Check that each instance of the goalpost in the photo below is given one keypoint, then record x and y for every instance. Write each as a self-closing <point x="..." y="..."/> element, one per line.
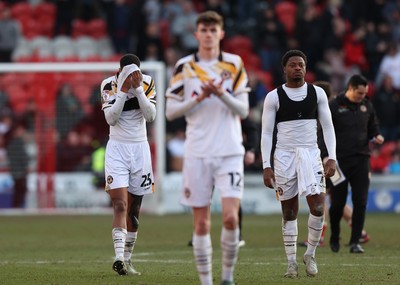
<point x="45" y="95"/>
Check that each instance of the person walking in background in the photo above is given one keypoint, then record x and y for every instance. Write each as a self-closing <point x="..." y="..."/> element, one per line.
<point x="128" y="102"/>
<point x="355" y="124"/>
<point x="210" y="89"/>
<point x="69" y="110"/>
<point x="10" y="33"/>
<point x="347" y="211"/>
<point x="386" y="101"/>
<point x="295" y="108"/>
<point x="250" y="142"/>
<point x="18" y="161"/>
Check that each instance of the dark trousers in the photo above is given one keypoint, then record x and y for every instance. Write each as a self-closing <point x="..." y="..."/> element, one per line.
<point x="356" y="170"/>
<point x="20" y="189"/>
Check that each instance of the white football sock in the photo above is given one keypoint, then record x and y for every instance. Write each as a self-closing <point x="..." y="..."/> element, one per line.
<point x="202" y="251"/>
<point x="315" y="226"/>
<point x="230" y="249"/>
<point x="130" y="242"/>
<point x="119" y="236"/>
<point x="289" y="232"/>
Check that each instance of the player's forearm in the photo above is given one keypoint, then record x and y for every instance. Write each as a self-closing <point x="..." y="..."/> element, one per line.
<point x="148" y="108"/>
<point x="113" y="113"/>
<point x="266" y="148"/>
<point x="239" y="104"/>
<point x="328" y="133"/>
<point x="176" y="109"/>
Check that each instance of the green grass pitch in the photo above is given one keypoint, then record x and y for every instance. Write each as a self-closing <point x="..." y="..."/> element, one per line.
<point x="77" y="249"/>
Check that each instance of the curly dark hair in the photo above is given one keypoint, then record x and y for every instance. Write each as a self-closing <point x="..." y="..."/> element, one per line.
<point x="128" y="59"/>
<point x="291" y="53"/>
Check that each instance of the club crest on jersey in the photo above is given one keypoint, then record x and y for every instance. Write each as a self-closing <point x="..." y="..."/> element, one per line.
<point x="110" y="179"/>
<point x="225" y="74"/>
<point x="363" y="108"/>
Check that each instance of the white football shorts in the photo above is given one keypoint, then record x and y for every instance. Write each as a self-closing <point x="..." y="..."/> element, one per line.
<point x="202" y="176"/>
<point x="129" y="165"/>
<point x="286" y="175"/>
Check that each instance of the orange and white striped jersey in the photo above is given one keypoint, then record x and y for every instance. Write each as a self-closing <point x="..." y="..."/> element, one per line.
<point x="131" y="126"/>
<point x="213" y="129"/>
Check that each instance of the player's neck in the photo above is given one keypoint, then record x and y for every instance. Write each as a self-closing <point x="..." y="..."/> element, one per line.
<point x="295" y="83"/>
<point x="208" y="54"/>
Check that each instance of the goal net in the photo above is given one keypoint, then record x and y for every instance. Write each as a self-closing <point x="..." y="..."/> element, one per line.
<point x="51" y="140"/>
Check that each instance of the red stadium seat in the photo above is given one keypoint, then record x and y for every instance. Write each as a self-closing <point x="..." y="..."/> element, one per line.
<point x="286" y="13"/>
<point x="21" y="9"/>
<point x="45" y="8"/>
<point x="97" y="28"/>
<point x="239" y="41"/>
<point x="30" y="27"/>
<point x="79" y="28"/>
<point x="266" y="78"/>
<point x="46" y="27"/>
<point x="252" y="62"/>
<point x="18" y="97"/>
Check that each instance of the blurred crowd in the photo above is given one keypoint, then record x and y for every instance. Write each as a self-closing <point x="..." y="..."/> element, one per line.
<point x="340" y="38"/>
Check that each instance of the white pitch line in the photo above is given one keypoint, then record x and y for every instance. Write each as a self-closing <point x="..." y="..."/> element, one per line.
<point x="180" y="261"/>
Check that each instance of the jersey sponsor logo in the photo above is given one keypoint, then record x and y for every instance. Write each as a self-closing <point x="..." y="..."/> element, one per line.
<point x="110" y="179"/>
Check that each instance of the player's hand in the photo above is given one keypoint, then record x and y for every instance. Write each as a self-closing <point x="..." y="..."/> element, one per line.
<point x="249" y="157"/>
<point x="329" y="168"/>
<point x="379" y="139"/>
<point x="269" y="177"/>
<point x="133" y="80"/>
<point x="210" y="87"/>
<point x="127" y="84"/>
<point x="137" y="79"/>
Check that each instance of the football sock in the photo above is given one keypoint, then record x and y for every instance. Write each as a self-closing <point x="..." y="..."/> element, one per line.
<point x="230" y="248"/>
<point x="119" y="236"/>
<point x="202" y="251"/>
<point x="289" y="232"/>
<point x="130" y="242"/>
<point x="315" y="226"/>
